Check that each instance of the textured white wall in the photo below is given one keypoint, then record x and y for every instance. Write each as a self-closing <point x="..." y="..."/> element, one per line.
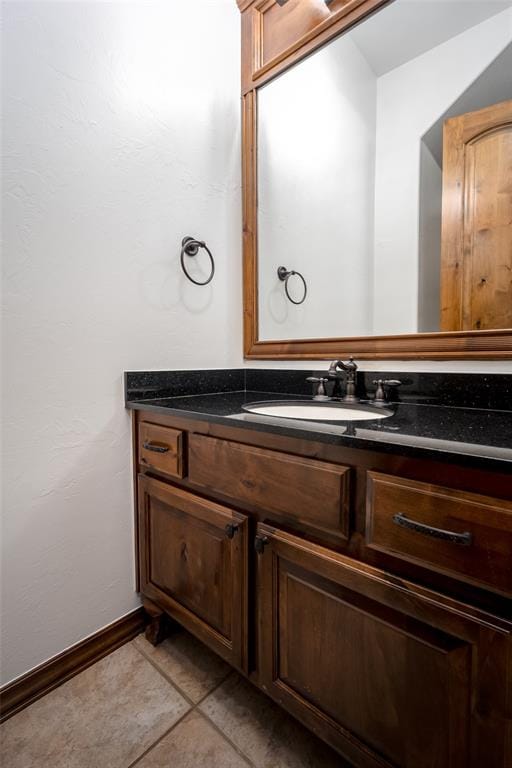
<point x="316" y="164"/>
<point x="121" y="135"/>
<point x="429" y="241"/>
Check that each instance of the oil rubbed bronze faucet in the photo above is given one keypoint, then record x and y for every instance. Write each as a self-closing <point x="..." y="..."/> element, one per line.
<point x="350" y="369"/>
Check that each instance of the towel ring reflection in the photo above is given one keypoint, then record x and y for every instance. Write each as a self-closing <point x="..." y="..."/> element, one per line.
<point x="284" y="275"/>
<point x="190" y="247"/>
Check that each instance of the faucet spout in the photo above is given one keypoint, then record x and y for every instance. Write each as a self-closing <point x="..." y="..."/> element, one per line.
<point x="350" y="369"/>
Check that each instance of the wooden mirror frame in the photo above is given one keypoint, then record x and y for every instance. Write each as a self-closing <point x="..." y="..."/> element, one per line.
<point x="274" y="37"/>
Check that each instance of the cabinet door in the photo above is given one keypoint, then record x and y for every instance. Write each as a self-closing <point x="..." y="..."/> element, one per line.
<point x="193" y="563"/>
<point x="389" y="673"/>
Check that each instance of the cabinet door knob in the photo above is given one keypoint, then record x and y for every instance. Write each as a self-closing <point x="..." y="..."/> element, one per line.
<point x="259" y="543"/>
<point x="231" y="529"/>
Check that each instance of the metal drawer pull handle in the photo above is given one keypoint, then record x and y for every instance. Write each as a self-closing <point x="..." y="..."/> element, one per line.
<point x="155" y="448"/>
<point x="464" y="539"/>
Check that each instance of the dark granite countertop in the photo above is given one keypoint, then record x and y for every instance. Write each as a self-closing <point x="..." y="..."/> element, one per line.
<point x="472" y="436"/>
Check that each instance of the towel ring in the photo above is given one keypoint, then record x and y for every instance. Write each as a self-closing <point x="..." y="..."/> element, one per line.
<point x="284" y="275"/>
<point x="190" y="246"/>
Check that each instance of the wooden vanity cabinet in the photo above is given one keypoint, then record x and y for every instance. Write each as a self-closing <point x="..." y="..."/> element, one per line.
<point x="283" y="556"/>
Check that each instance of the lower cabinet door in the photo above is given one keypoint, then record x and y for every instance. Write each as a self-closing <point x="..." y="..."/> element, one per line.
<point x="389" y="673"/>
<point x="193" y="563"/>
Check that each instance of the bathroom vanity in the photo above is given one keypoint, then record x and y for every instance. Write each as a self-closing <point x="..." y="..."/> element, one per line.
<point x="360" y="575"/>
<point x="358" y="572"/>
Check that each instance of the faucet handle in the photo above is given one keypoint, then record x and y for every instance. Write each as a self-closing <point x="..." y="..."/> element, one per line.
<point x="388" y="382"/>
<point x="320" y="393"/>
<point x="382" y="385"/>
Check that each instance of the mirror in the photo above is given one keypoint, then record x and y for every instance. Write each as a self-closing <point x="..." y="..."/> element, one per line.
<point x="384" y="177"/>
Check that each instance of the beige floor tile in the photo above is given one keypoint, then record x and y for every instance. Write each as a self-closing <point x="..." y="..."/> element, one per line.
<point x="106" y="716"/>
<point x="187" y="662"/>
<point x="263" y="731"/>
<point x="194" y="743"/>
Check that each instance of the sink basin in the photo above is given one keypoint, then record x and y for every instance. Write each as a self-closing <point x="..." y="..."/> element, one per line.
<point x="319" y="411"/>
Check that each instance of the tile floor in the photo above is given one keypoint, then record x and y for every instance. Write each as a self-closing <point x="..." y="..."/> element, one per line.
<point x="174" y="706"/>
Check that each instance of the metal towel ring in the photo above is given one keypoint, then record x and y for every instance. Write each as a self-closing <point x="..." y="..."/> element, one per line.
<point x="284" y="275"/>
<point x="190" y="246"/>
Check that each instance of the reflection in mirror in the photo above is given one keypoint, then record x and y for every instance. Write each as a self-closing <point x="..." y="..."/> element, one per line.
<point x="385" y="177"/>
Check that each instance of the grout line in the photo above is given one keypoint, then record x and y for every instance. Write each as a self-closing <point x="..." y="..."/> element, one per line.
<point x="218" y="728"/>
<point x="215" y="687"/>
<point x="175" y="685"/>
<point x="225" y="737"/>
<point x="182" y="693"/>
<point x="193" y="706"/>
<point x="160" y="738"/>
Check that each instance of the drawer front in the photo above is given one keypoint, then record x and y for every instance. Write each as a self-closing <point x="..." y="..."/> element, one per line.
<point x="313" y="493"/>
<point x="193" y="563"/>
<point x="462" y="534"/>
<point x="161" y="448"/>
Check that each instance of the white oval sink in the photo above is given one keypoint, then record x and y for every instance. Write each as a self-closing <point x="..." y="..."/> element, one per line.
<point x="319" y="411"/>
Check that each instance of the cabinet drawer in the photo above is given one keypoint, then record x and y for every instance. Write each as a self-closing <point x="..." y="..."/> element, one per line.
<point x="310" y="492"/>
<point x="462" y="534"/>
<point x="161" y="448"/>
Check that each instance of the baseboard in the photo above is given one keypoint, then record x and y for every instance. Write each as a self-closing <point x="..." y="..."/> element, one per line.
<point x="43" y="679"/>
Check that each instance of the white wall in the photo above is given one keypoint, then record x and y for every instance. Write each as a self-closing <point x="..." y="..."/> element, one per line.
<point x="316" y="166"/>
<point x="429" y="241"/>
<point x="121" y="135"/>
<point x="431" y="83"/>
